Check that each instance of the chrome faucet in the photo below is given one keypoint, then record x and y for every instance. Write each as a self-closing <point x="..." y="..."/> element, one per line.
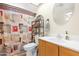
<point x="67" y="36"/>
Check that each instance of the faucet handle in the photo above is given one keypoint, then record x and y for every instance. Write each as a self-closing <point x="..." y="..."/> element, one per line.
<point x="67" y="36"/>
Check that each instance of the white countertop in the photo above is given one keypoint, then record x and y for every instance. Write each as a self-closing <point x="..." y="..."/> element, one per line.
<point x="71" y="44"/>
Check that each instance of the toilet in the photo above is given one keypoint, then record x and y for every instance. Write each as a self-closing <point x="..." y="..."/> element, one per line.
<point x="30" y="48"/>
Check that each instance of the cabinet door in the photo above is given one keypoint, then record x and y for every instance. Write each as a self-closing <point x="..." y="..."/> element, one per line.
<point x="67" y="52"/>
<point x="42" y="51"/>
<point x="51" y="49"/>
<point x="42" y="48"/>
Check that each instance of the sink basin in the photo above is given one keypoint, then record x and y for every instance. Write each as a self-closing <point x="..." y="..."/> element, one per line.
<point x="62" y="41"/>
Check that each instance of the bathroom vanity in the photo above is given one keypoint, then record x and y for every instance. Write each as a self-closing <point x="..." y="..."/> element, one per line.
<point x="50" y="46"/>
<point x="45" y="48"/>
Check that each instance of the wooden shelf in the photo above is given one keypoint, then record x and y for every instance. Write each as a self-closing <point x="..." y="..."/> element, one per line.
<point x="37" y="28"/>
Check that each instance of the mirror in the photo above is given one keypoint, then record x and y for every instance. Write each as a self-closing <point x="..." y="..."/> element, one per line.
<point x="62" y="12"/>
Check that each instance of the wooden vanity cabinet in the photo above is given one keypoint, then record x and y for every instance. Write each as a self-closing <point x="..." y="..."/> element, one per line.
<point x="67" y="52"/>
<point x="51" y="49"/>
<point x="42" y="48"/>
<point x="47" y="49"/>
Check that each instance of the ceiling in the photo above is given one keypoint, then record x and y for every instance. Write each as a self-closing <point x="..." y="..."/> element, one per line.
<point x="37" y="4"/>
<point x="27" y="6"/>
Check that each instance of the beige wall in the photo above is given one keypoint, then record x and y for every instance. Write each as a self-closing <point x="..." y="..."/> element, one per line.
<point x="72" y="26"/>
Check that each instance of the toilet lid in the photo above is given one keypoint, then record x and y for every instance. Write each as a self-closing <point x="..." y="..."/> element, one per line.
<point x="30" y="45"/>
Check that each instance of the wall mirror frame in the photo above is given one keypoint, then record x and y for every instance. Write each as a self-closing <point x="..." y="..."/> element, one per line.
<point x="62" y="12"/>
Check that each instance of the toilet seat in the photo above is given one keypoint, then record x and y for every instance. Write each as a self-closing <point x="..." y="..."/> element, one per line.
<point x="29" y="46"/>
